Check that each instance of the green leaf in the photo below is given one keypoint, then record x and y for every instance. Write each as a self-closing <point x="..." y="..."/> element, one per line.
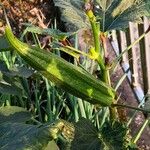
<point x="14" y="114"/>
<point x="86" y="136"/>
<point x="9" y="81"/>
<point x="19" y="136"/>
<point x="20" y="72"/>
<point x="72" y="14"/>
<point x="9" y="84"/>
<point x="112" y="14"/>
<point x="15" y="70"/>
<point x="52" y="146"/>
<point x="55" y="33"/>
<point x="116" y="14"/>
<point x="115" y="136"/>
<point x="112" y="136"/>
<point x="12" y="89"/>
<point x="3" y="67"/>
<point x="4" y="45"/>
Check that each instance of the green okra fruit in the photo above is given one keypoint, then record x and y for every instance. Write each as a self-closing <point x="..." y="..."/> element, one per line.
<point x="69" y="77"/>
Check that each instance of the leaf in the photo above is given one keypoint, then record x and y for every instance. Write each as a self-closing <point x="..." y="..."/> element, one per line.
<point x="15" y="70"/>
<point x="9" y="85"/>
<point x="115" y="136"/>
<point x="72" y="14"/>
<point x="86" y="136"/>
<point x="112" y="136"/>
<point x="19" y="136"/>
<point x="52" y="146"/>
<point x="116" y="14"/>
<point x="20" y="72"/>
<point x="55" y="33"/>
<point x="71" y="52"/>
<point x="4" y="46"/>
<point x="12" y="89"/>
<point x="113" y="14"/>
<point x="3" y="67"/>
<point x="14" y="114"/>
<point x="9" y="81"/>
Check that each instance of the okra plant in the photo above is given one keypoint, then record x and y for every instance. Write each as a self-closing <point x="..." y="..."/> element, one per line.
<point x="99" y="17"/>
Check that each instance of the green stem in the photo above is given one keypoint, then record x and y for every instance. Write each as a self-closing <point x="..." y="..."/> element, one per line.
<point x="104" y="115"/>
<point x="130" y="46"/>
<point x="8" y="100"/>
<point x="82" y="108"/>
<point x="96" y="33"/>
<point x="100" y="59"/>
<point x="136" y="138"/>
<point x="49" y="109"/>
<point x="77" y="51"/>
<point x="131" y="107"/>
<point x="37" y="101"/>
<point x="134" y="114"/>
<point x="103" y="70"/>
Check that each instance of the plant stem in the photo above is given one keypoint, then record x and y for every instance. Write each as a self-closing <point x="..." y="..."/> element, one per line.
<point x="100" y="59"/>
<point x="82" y="108"/>
<point x="104" y="116"/>
<point x="37" y="101"/>
<point x="104" y="72"/>
<point x="130" y="46"/>
<point x="131" y="107"/>
<point x="49" y="109"/>
<point x="136" y="138"/>
<point x="96" y="35"/>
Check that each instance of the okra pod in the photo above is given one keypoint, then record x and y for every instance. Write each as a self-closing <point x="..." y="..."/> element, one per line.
<point x="69" y="77"/>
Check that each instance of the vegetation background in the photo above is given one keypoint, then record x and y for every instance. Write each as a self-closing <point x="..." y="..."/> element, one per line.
<point x="37" y="90"/>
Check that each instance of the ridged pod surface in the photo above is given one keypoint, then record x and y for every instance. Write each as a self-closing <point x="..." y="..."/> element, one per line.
<point x="67" y="76"/>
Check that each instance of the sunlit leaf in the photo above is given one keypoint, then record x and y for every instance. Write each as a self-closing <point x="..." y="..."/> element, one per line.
<point x="113" y="14"/>
<point x="52" y="146"/>
<point x="72" y="14"/>
<point x="116" y="14"/>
